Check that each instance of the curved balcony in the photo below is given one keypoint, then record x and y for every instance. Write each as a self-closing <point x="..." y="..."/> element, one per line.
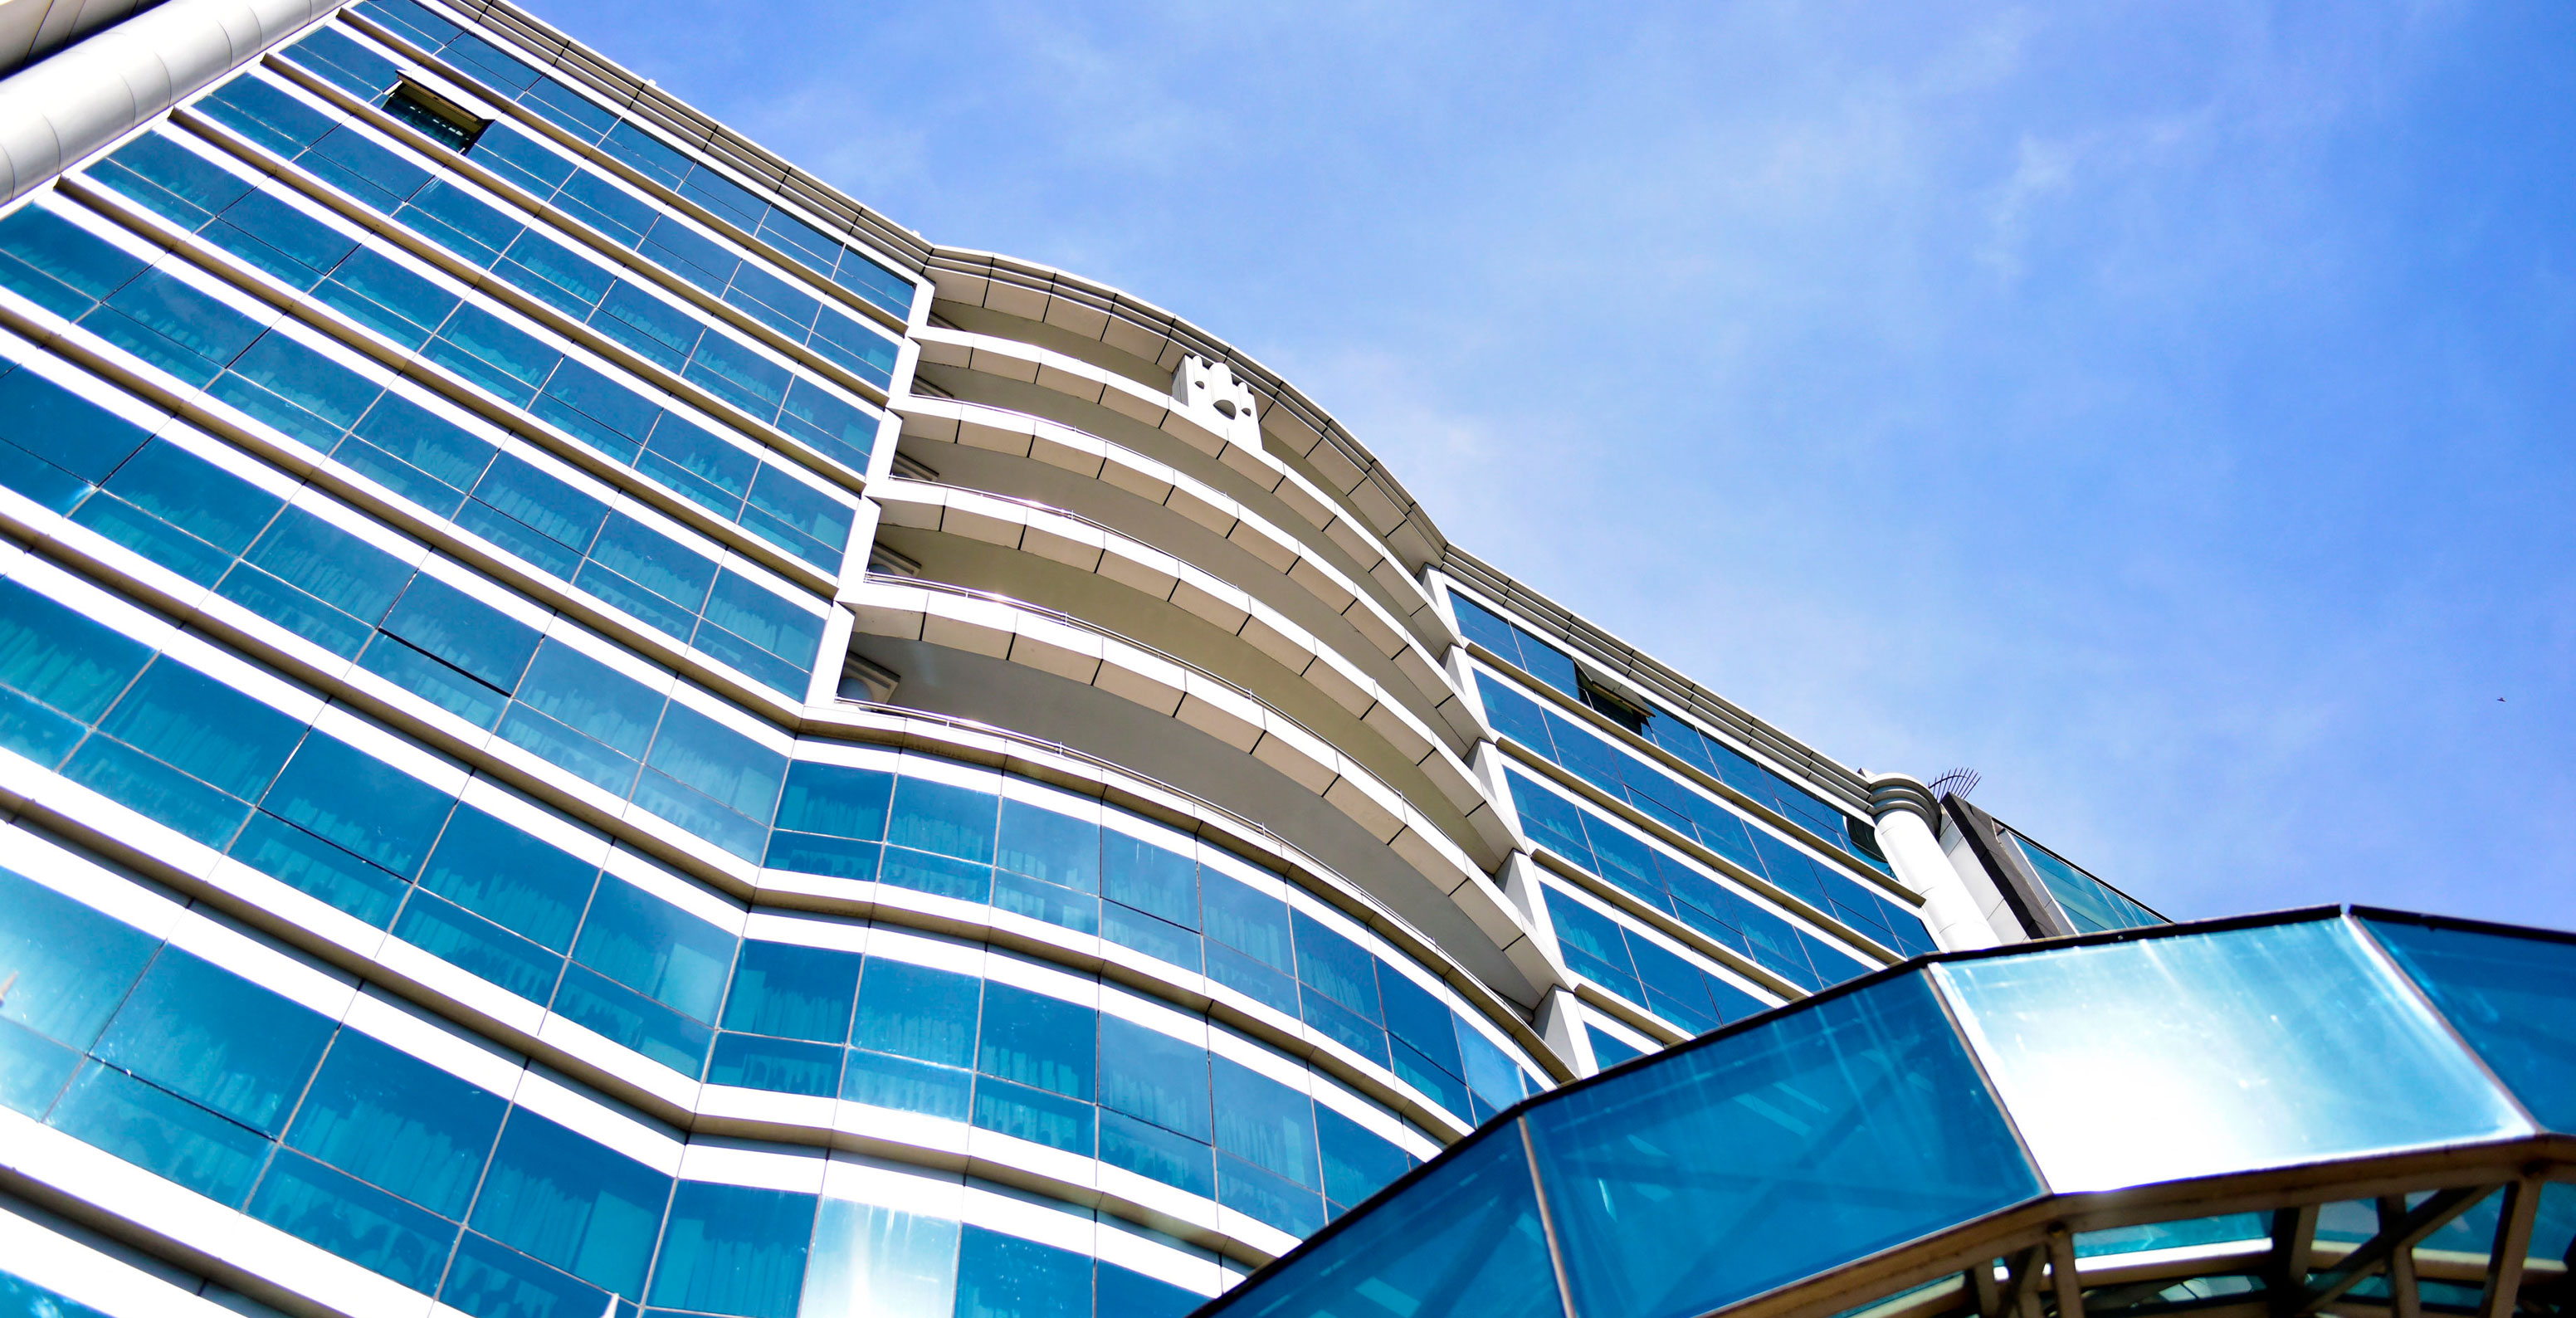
<point x="1074" y="470"/>
<point x="1052" y="555"/>
<point x="1032" y="378"/>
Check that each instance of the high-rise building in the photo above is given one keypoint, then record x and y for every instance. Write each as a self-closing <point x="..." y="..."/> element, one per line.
<point x="589" y="726"/>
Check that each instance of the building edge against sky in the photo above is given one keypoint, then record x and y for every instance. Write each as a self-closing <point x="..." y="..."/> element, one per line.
<point x="590" y="724"/>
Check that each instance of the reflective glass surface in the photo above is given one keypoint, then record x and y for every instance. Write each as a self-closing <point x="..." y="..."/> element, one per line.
<point x="2513" y="999"/>
<point x="1466" y="1242"/>
<point x="2165" y="1058"/>
<point x="1756" y="1158"/>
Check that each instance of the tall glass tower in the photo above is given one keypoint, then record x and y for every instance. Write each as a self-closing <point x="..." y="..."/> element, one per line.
<point x="590" y="726"/>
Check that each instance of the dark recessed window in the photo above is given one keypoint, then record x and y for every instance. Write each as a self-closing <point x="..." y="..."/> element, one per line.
<point x="1615" y="707"/>
<point x="447" y="123"/>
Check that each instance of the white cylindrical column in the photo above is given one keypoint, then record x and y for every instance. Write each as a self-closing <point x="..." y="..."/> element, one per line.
<point x="81" y="98"/>
<point x="1905" y="814"/>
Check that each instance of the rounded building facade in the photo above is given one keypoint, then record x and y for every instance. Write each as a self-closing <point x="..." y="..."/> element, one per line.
<point x="590" y="727"/>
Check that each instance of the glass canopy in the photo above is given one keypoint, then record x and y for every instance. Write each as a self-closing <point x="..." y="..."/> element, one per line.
<point x="1838" y="1150"/>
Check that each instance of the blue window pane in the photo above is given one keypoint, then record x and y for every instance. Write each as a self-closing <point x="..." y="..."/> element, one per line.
<point x="643" y="322"/>
<point x="907" y="1086"/>
<point x="784" y="1066"/>
<point x="1441" y="1086"/>
<point x="694" y="810"/>
<point x="764" y="619"/>
<point x="410" y="20"/>
<point x="491" y="1282"/>
<point x="33" y="1069"/>
<point x="656" y="949"/>
<point x="131" y="778"/>
<point x="1863" y="1111"/>
<point x="456" y="935"/>
<point x="186" y="188"/>
<point x="434" y="681"/>
<point x="1151" y="879"/>
<point x="217" y="1039"/>
<point x="1491" y="1075"/>
<point x="354" y="1220"/>
<point x="592" y="698"/>
<point x="34" y="731"/>
<point x="772" y="300"/>
<point x="173" y="326"/>
<point x="1485" y="627"/>
<point x="1040" y="900"/>
<point x="1609" y="1050"/>
<point x="280" y="239"/>
<point x="507" y="876"/>
<point x="67" y="965"/>
<point x="360" y="803"/>
<point x="880" y="1261"/>
<point x="2271" y="1046"/>
<point x="194" y="495"/>
<point x="829" y="798"/>
<point x="427" y="441"/>
<point x="1135" y="1295"/>
<point x="874" y="282"/>
<point x="352" y="67"/>
<point x="542" y="503"/>
<point x="839" y="858"/>
<point x="1150" y="1150"/>
<point x="2511" y="997"/>
<point x="187" y="719"/>
<point x="1247" y="920"/>
<point x="840" y="430"/>
<point x="689" y="255"/>
<point x="1265" y="1123"/>
<point x="948" y="820"/>
<point x="1357" y="1164"/>
<point x="1516" y="716"/>
<point x="793" y="992"/>
<point x="1140" y="932"/>
<point x="63" y="428"/>
<point x="1256" y="1192"/>
<point x="727" y="199"/>
<point x="572" y="1203"/>
<point x="583" y="755"/>
<point x="733" y="769"/>
<point x="1037" y="1115"/>
<point x="737" y="374"/>
<point x="127" y="525"/>
<point x="1345" y="1026"/>
<point x="330" y="564"/>
<point x="68" y="661"/>
<point x="58" y="264"/>
<point x="387" y="297"/>
<point x="161" y="1133"/>
<point x="1037" y="1040"/>
<point x="1055" y="847"/>
<point x="917" y="1012"/>
<point x="1253" y="979"/>
<point x="1419" y="1019"/>
<point x="1001" y="1276"/>
<point x="646" y="153"/>
<point x="397" y="1122"/>
<point x="732" y="1249"/>
<point x="493" y="353"/>
<point x="1148" y="1074"/>
<point x="267" y="114"/>
<point x="939" y="875"/>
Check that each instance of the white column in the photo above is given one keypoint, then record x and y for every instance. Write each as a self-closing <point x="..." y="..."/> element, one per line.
<point x="1905" y="813"/>
<point x="79" y="99"/>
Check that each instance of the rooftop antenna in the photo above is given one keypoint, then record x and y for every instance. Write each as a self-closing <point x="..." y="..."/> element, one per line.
<point x="1957" y="782"/>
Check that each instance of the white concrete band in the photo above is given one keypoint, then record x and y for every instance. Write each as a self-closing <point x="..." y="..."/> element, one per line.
<point x="1904" y="811"/>
<point x="55" y="112"/>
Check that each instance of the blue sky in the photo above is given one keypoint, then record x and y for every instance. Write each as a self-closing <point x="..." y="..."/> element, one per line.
<point x="2163" y="408"/>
